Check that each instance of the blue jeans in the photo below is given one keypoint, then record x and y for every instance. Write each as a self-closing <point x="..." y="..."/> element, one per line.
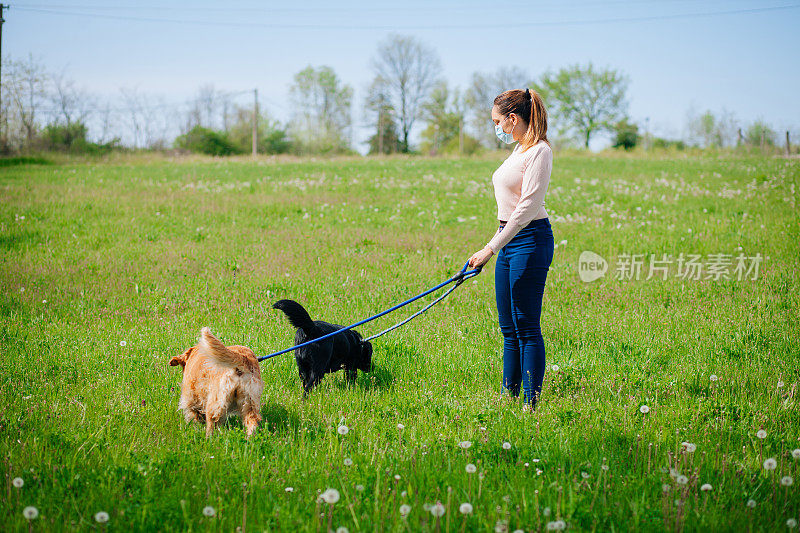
<point x="520" y="274"/>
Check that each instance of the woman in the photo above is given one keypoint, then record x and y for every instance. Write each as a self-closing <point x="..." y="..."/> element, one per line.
<point x="524" y="240"/>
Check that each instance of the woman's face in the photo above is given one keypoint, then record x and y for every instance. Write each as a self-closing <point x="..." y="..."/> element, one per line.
<point x="507" y="123"/>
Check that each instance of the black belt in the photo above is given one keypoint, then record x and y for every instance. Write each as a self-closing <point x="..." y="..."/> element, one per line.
<point x="504" y="222"/>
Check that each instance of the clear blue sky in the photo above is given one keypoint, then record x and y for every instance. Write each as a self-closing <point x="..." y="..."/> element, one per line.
<point x="743" y="58"/>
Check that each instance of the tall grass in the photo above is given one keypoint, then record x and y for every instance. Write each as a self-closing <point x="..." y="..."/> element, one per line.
<point x="110" y="269"/>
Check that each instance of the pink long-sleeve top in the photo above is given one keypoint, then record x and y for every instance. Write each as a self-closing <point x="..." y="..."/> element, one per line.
<point x="520" y="184"/>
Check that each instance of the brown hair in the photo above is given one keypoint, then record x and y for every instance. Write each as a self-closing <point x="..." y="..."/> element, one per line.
<point x="527" y="105"/>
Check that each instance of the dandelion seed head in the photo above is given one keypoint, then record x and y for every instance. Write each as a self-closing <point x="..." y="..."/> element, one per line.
<point x="343" y="430"/>
<point x="465" y="444"/>
<point x="209" y="511"/>
<point x="506" y="445"/>
<point x="360" y="488"/>
<point x="101" y="517"/>
<point x="688" y="447"/>
<point x="30" y="512"/>
<point x="713" y="377"/>
<point x="18" y="482"/>
<point x="787" y="481"/>
<point x="465" y="508"/>
<point x="546" y="511"/>
<point x="342" y="529"/>
<point x="471" y="468"/>
<point x="791" y="523"/>
<point x="644" y="409"/>
<point x="330" y="496"/>
<point x="604" y="467"/>
<point x="289" y="489"/>
<point x="751" y="504"/>
<point x="761" y="434"/>
<point x="405" y="509"/>
<point x="796" y="453"/>
<point x="682" y="480"/>
<point x="770" y="464"/>
<point x="123" y="343"/>
<point x="397" y="477"/>
<point x="554" y="368"/>
<point x="437" y="509"/>
<point x="401" y="427"/>
<point x="348" y="461"/>
<point x="706" y="487"/>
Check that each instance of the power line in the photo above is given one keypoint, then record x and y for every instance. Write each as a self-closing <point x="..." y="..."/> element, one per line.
<point x="282" y="25"/>
<point x="165" y="105"/>
<point x="405" y="8"/>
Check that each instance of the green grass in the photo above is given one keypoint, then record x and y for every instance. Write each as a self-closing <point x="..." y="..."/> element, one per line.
<point x="148" y="251"/>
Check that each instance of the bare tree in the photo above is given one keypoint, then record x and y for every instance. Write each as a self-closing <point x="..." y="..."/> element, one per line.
<point x="205" y="107"/>
<point x="107" y="122"/>
<point x="133" y="105"/>
<point x="480" y="96"/>
<point x="410" y="69"/>
<point x="27" y="90"/>
<point x="70" y="103"/>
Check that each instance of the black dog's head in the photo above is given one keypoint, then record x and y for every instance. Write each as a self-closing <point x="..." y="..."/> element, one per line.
<point x="364" y="362"/>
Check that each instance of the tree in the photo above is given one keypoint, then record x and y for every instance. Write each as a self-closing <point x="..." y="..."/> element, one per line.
<point x="710" y="130"/>
<point x="479" y="99"/>
<point x="272" y="137"/>
<point x="381" y="116"/>
<point x="322" y="106"/>
<point x="583" y="101"/>
<point x="760" y="134"/>
<point x="71" y="103"/>
<point x="27" y="90"/>
<point x="444" y="111"/>
<point x="626" y="134"/>
<point x="409" y="69"/>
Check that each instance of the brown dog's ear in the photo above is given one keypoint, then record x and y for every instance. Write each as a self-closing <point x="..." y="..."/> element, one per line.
<point x="182" y="358"/>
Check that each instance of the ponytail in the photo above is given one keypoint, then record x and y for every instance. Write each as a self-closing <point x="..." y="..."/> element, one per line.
<point x="529" y="106"/>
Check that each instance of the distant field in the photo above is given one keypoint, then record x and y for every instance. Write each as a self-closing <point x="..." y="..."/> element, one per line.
<point x="110" y="269"/>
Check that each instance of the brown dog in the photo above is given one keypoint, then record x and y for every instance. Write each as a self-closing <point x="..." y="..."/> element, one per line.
<point x="219" y="380"/>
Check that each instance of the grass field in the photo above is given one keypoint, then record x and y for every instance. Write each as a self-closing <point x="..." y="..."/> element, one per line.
<point x="109" y="269"/>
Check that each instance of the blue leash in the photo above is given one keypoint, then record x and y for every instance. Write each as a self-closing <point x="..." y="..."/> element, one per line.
<point x="459" y="278"/>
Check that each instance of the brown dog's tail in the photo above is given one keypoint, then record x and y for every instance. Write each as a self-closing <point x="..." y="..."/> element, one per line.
<point x="217" y="352"/>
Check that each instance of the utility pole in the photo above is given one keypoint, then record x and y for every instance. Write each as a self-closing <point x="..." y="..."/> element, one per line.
<point x="380" y="130"/>
<point x="461" y="136"/>
<point x="255" y="122"/>
<point x="2" y="20"/>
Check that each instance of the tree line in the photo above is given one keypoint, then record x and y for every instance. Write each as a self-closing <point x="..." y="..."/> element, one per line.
<point x="45" y="111"/>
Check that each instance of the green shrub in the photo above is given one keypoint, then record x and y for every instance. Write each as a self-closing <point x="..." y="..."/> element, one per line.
<point x="206" y="141"/>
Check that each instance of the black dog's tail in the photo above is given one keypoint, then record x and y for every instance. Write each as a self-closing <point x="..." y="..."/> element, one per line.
<point x="296" y="314"/>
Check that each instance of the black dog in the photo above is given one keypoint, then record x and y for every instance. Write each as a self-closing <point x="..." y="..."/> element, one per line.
<point x="345" y="350"/>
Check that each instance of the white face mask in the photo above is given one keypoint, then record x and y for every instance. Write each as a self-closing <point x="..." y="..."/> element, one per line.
<point x="507" y="138"/>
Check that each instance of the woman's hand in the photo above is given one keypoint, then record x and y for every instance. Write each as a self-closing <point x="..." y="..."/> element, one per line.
<point x="480" y="258"/>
